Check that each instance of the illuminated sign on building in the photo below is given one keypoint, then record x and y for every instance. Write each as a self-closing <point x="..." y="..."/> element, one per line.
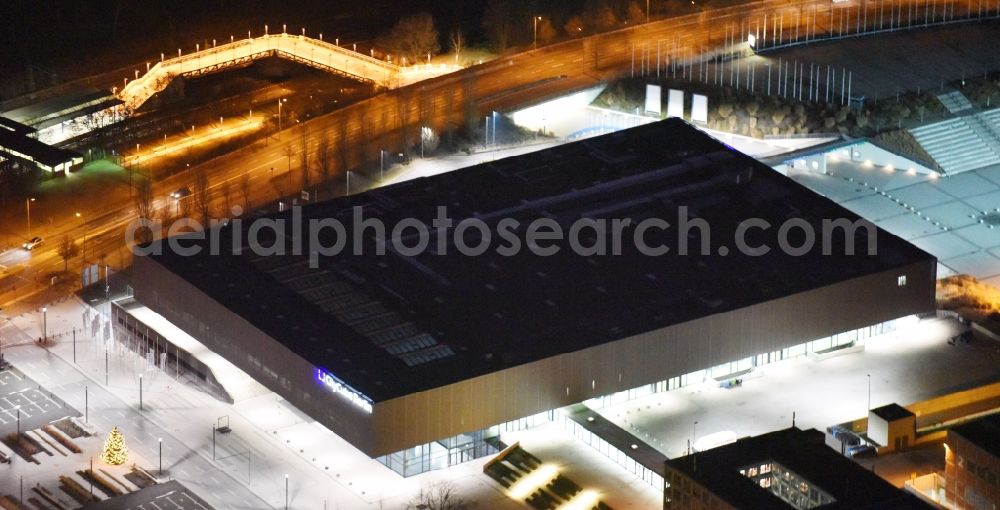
<point x="337" y="386"/>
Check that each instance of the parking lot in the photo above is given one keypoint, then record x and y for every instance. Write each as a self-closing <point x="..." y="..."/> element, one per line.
<point x="171" y="495"/>
<point x="19" y="395"/>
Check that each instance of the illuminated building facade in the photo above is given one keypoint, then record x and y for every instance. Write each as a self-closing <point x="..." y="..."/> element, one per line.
<point x="17" y="143"/>
<point x="421" y="359"/>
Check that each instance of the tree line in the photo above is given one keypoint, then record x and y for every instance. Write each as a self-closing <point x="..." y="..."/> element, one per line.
<point x="510" y="24"/>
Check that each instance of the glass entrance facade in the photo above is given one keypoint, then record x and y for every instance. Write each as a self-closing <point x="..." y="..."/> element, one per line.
<point x="736" y="368"/>
<point x="460" y="448"/>
<point x="473" y="445"/>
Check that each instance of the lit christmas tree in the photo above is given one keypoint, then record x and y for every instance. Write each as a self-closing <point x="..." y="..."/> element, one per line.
<point x="115" y="452"/>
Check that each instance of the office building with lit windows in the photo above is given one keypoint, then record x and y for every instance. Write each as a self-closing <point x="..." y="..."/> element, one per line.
<point x="421" y="359"/>
<point x="972" y="464"/>
<point x="782" y="470"/>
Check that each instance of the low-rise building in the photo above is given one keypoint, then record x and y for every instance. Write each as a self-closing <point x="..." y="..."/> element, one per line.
<point x="782" y="470"/>
<point x="972" y="465"/>
<point x="18" y="143"/>
<point x="892" y="427"/>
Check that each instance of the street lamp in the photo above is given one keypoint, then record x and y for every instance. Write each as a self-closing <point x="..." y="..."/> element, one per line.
<point x="45" y="329"/>
<point x="694" y="434"/>
<point x="381" y="164"/>
<point x="140" y="392"/>
<point x="535" y="43"/>
<point x="494" y="127"/>
<point x="286" y="491"/>
<point x="282" y="100"/>
<point x="78" y="215"/>
<point x="18" y="408"/>
<point x="869" y="392"/>
<point x="27" y="208"/>
<point x="160" y="440"/>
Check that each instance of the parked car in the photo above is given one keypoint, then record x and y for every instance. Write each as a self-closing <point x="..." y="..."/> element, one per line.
<point x="850" y="439"/>
<point x="861" y="451"/>
<point x="33" y="243"/>
<point x="845" y="436"/>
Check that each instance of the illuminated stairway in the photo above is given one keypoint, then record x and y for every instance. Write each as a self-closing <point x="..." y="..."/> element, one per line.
<point x="527" y="478"/>
<point x="962" y="143"/>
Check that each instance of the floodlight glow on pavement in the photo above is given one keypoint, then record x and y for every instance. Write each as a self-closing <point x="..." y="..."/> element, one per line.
<point x="533" y="481"/>
<point x="582" y="501"/>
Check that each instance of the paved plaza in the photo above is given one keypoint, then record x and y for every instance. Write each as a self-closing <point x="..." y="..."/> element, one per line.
<point x="165" y="496"/>
<point x="21" y="396"/>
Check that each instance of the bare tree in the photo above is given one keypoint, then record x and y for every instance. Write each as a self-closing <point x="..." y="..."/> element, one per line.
<point x="404" y="116"/>
<point x="226" y="189"/>
<point x="67" y="250"/>
<point x="363" y="145"/>
<point x="497" y="24"/>
<point x="324" y="160"/>
<point x="412" y="37"/>
<point x="200" y="194"/>
<point x="457" y="41"/>
<point x="634" y="14"/>
<point x="245" y="190"/>
<point x="289" y="151"/>
<point x="600" y="16"/>
<point x="425" y="113"/>
<point x="343" y="156"/>
<point x="574" y="27"/>
<point x="439" y="496"/>
<point x="143" y="202"/>
<point x="143" y="199"/>
<point x="304" y="159"/>
<point x="470" y="108"/>
<point x="546" y="32"/>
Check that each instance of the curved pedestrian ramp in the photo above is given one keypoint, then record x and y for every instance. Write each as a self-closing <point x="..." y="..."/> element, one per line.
<point x="304" y="50"/>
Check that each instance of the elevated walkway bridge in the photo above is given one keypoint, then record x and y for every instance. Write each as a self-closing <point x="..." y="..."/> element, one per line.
<point x="304" y="50"/>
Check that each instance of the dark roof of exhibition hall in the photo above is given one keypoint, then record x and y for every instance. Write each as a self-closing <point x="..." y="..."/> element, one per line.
<point x="391" y="325"/>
